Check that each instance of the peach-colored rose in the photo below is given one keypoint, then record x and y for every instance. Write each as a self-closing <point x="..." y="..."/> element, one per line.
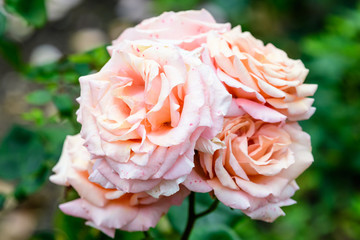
<point x="186" y="29"/>
<point x="106" y="209"/>
<point x="254" y="164"/>
<point x="142" y="114"/>
<point x="259" y="72"/>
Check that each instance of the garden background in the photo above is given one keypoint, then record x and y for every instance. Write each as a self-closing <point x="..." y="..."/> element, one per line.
<point x="46" y="45"/>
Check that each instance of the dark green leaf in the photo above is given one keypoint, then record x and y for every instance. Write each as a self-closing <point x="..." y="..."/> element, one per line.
<point x="21" y="153"/>
<point x="82" y="69"/>
<point x="39" y="97"/>
<point x="31" y="183"/>
<point x="69" y="227"/>
<point x="64" y="104"/>
<point x="2" y="23"/>
<point x="71" y="77"/>
<point x="222" y="215"/>
<point x="32" y="11"/>
<point x="213" y="232"/>
<point x="42" y="235"/>
<point x="53" y="138"/>
<point x="178" y="216"/>
<point x="167" y="5"/>
<point x="68" y="70"/>
<point x="130" y="235"/>
<point x="10" y="51"/>
<point x="2" y="201"/>
<point x="95" y="58"/>
<point x="44" y="74"/>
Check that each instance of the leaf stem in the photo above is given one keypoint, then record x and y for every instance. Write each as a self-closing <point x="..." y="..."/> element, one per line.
<point x="192" y="216"/>
<point x="212" y="207"/>
<point x="147" y="235"/>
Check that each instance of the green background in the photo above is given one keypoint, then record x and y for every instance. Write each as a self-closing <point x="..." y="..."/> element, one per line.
<point x="325" y="35"/>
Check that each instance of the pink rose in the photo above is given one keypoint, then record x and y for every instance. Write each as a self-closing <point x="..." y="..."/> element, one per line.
<point x="262" y="73"/>
<point x="142" y="114"/>
<point x="187" y="29"/>
<point x="254" y="164"/>
<point x="106" y="209"/>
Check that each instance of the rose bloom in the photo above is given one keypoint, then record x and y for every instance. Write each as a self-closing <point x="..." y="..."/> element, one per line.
<point x="142" y="114"/>
<point x="252" y="165"/>
<point x="262" y="73"/>
<point x="106" y="209"/>
<point x="187" y="29"/>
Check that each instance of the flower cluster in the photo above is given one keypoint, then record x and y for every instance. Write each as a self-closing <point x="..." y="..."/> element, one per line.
<point x="186" y="104"/>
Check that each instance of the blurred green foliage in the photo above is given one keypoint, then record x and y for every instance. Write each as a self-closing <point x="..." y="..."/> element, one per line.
<point x="9" y="50"/>
<point x="40" y="145"/>
<point x="33" y="11"/>
<point x="324" y="34"/>
<point x="2" y="23"/>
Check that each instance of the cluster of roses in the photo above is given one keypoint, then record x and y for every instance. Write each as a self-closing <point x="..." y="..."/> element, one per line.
<point x="186" y="104"/>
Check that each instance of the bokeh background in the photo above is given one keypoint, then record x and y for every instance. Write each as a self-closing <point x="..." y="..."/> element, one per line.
<point x="45" y="45"/>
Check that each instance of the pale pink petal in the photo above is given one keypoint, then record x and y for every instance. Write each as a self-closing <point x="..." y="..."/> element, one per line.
<point x="223" y="176"/>
<point x="196" y="183"/>
<point x="209" y="146"/>
<point x="193" y="102"/>
<point x="306" y="90"/>
<point x="240" y="89"/>
<point x="182" y="167"/>
<point x="232" y="198"/>
<point x="239" y="171"/>
<point x="219" y="101"/>
<point x="300" y="107"/>
<point x="259" y="111"/>
<point x="86" y="189"/>
<point x="262" y="187"/>
<point x="166" y="187"/>
<point x="108" y="231"/>
<point x="270" y="211"/>
<point x="187" y="29"/>
<point x="303" y="116"/>
<point x="74" y="154"/>
<point x="235" y="110"/>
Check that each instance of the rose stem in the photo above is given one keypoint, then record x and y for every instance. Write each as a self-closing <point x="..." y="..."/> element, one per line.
<point x="212" y="207"/>
<point x="192" y="216"/>
<point x="147" y="235"/>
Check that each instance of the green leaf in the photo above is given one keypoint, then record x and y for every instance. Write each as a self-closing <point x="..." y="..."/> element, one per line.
<point x="35" y="115"/>
<point x="96" y="58"/>
<point x="10" y="51"/>
<point x="54" y="136"/>
<point x="68" y="228"/>
<point x="64" y="104"/>
<point x="32" y="11"/>
<point x="2" y="201"/>
<point x="68" y="70"/>
<point x="2" y="23"/>
<point x="31" y="183"/>
<point x="45" y="73"/>
<point x="222" y="215"/>
<point x="21" y="153"/>
<point x="171" y="5"/>
<point x="39" y="97"/>
<point x="82" y="69"/>
<point x="130" y="235"/>
<point x="42" y="235"/>
<point x="213" y="232"/>
<point x="178" y="216"/>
